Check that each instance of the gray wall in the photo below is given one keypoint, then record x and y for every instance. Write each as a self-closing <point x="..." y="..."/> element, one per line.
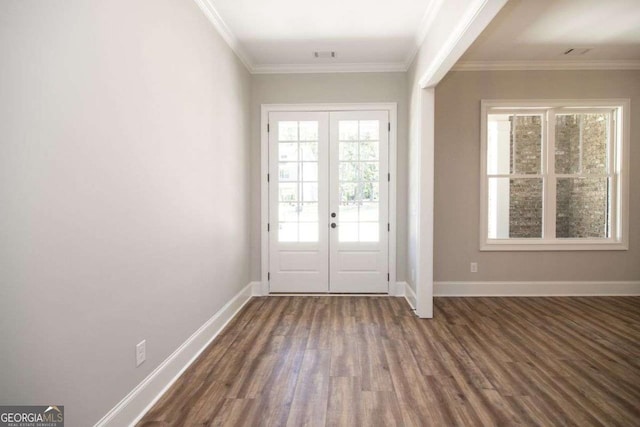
<point x="457" y="174"/>
<point x="329" y="88"/>
<point x="124" y="193"/>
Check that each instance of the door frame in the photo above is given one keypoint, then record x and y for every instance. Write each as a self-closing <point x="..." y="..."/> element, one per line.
<point x="265" y="109"/>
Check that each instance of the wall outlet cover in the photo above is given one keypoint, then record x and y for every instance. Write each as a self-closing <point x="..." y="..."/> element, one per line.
<point x="141" y="352"/>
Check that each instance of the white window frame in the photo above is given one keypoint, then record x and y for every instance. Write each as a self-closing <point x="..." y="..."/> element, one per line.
<point x="619" y="147"/>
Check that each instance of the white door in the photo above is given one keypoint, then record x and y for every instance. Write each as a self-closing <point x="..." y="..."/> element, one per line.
<point x="359" y="201"/>
<point x="298" y="202"/>
<point x="328" y="201"/>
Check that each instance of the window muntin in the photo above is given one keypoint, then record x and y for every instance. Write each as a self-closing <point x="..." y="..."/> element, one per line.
<point x="298" y="181"/>
<point x="359" y="180"/>
<point x="552" y="176"/>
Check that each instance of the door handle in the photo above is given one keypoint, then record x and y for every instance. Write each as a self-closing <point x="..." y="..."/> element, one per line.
<point x="333" y="225"/>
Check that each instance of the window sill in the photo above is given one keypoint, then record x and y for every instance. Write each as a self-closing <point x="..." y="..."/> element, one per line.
<point x="554" y="245"/>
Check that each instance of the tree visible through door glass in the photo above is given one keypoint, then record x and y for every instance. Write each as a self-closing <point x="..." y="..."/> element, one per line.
<point x="359" y="180"/>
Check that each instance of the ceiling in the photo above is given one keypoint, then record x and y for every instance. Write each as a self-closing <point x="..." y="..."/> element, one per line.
<point x="527" y="31"/>
<point x="276" y="34"/>
<point x="282" y="35"/>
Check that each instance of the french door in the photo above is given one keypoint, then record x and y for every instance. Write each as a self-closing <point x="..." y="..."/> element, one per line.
<point x="329" y="201"/>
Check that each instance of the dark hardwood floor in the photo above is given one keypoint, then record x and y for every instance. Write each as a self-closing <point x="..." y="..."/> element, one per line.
<point x="368" y="361"/>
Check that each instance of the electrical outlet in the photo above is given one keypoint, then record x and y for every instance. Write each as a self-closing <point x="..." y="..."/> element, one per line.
<point x="141" y="352"/>
<point x="474" y="267"/>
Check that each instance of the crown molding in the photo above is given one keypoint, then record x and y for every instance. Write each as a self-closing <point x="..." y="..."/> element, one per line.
<point x="545" y="65"/>
<point x="214" y="17"/>
<point x="423" y="29"/>
<point x="329" y="68"/>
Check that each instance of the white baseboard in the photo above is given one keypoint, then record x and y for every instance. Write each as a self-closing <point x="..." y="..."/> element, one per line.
<point x="410" y="295"/>
<point x="256" y="289"/>
<point x="133" y="407"/>
<point x="535" y="289"/>
<point x="397" y="289"/>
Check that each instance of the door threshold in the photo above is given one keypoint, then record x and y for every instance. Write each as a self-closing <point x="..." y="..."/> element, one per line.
<point x="326" y="294"/>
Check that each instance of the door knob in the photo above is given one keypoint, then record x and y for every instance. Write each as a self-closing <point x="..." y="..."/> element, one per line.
<point x="333" y="214"/>
<point x="333" y="225"/>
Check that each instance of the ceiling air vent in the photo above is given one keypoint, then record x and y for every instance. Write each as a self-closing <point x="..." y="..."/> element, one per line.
<point x="324" y="54"/>
<point x="577" y="51"/>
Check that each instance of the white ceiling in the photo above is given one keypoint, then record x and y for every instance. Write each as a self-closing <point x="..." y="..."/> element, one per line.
<point x="541" y="30"/>
<point x="376" y="35"/>
<point x="276" y="33"/>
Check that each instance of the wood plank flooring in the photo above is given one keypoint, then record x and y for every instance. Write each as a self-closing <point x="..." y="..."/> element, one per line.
<point x="368" y="361"/>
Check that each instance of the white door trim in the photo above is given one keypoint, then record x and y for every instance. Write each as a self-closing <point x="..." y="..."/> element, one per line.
<point x="391" y="107"/>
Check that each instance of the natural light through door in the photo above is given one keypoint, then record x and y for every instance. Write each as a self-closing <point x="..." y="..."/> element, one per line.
<point x="329" y="201"/>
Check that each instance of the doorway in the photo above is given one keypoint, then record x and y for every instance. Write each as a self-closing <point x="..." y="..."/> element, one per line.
<point x="328" y="200"/>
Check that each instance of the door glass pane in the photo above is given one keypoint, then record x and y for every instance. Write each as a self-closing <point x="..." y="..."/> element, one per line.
<point x="288" y="171"/>
<point x="348" y="232"/>
<point x="369" y="232"/>
<point x="369" y="212"/>
<point x="298" y="181"/>
<point x="348" y="171"/>
<point x="308" y="131"/>
<point x="370" y="192"/>
<point x="348" y="151"/>
<point x="369" y="130"/>
<point x="310" y="171"/>
<point x="288" y="212"/>
<point x="348" y="212"/>
<point x="348" y="192"/>
<point x="310" y="192"/>
<point x="309" y="212"/>
<point x="308" y="232"/>
<point x="288" y="131"/>
<point x="582" y="208"/>
<point x="369" y="150"/>
<point x="348" y="130"/>
<point x="309" y="151"/>
<point x="288" y="232"/>
<point x="370" y="171"/>
<point x="359" y="180"/>
<point x="288" y="151"/>
<point x="288" y="192"/>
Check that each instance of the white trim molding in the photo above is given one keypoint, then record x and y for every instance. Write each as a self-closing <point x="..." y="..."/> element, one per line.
<point x="536" y="289"/>
<point x="135" y="404"/>
<point x="265" y="109"/>
<point x="225" y="32"/>
<point x="427" y="21"/>
<point x="475" y="19"/>
<point x="617" y="173"/>
<point x="256" y="289"/>
<point x="398" y="289"/>
<point x="410" y="295"/>
<point x="546" y="65"/>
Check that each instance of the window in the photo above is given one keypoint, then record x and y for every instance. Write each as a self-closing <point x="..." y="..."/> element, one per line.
<point x="554" y="175"/>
